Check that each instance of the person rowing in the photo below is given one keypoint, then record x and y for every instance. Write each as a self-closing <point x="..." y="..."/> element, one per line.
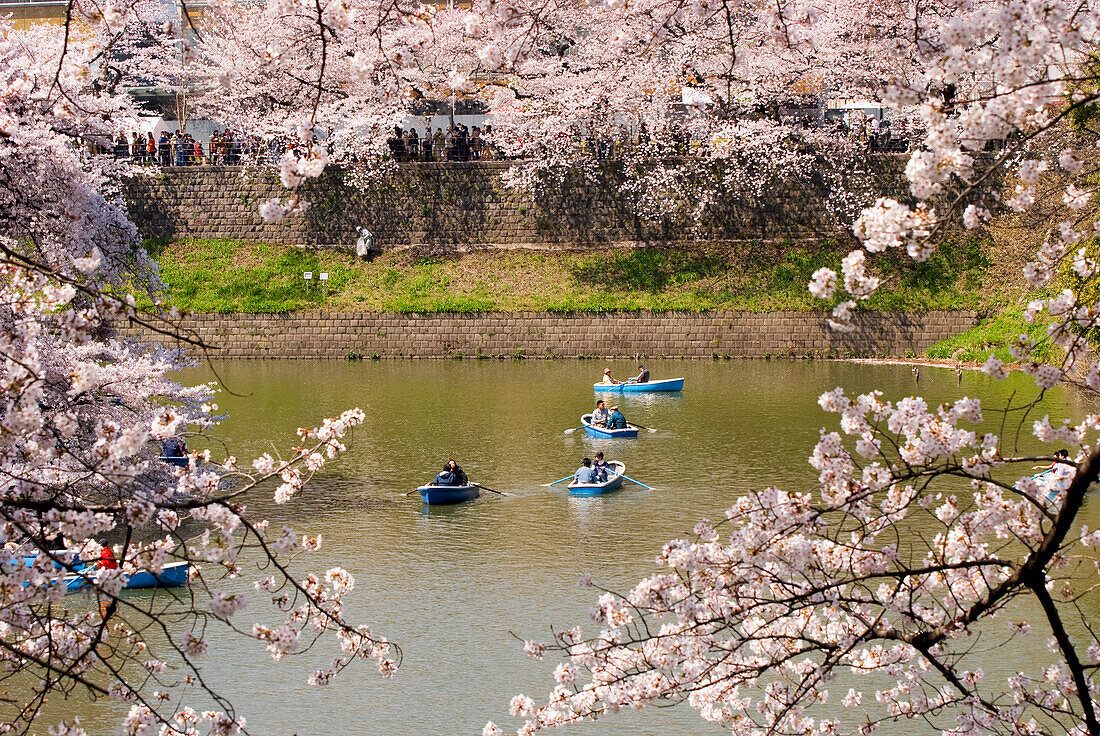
<point x="1057" y="476"/>
<point x="1060" y="455"/>
<point x="451" y="475"/>
<point x="616" y="420"/>
<point x="173" y="447"/>
<point x="607" y="379"/>
<point x="585" y="473"/>
<point x="642" y="377"/>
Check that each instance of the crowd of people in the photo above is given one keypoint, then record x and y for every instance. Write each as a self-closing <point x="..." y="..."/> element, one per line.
<point x="878" y="136"/>
<point x="175" y="148"/>
<point x="457" y="143"/>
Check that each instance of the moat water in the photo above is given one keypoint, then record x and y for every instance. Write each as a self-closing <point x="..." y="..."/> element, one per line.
<point x="452" y="585"/>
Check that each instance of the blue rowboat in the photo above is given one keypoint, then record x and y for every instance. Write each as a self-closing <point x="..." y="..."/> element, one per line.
<point x="173" y="575"/>
<point x="1054" y="480"/>
<point x="593" y="431"/>
<point x="613" y="483"/>
<point x="627" y="387"/>
<point x="448" y="494"/>
<point x="180" y="461"/>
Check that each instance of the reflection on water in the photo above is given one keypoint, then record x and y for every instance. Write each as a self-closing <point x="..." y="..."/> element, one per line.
<point x="452" y="584"/>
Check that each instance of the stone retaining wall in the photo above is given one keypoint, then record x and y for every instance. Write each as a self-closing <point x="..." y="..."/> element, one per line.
<point x="544" y="335"/>
<point x="450" y="207"/>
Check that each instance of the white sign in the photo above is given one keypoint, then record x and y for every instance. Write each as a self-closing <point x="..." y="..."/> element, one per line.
<point x="324" y="277"/>
<point x="307" y="275"/>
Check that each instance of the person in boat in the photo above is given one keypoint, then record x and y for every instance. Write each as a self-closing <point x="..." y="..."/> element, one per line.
<point x="173" y="447"/>
<point x="585" y="473"/>
<point x="1060" y="455"/>
<point x="600" y="466"/>
<point x="642" y="377"/>
<point x="451" y="475"/>
<point x="107" y="559"/>
<point x="601" y="415"/>
<point x="1058" y="475"/>
<point x="616" y="420"/>
<point x="607" y="379"/>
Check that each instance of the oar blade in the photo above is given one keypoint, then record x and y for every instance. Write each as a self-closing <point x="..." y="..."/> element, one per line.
<point x="492" y="490"/>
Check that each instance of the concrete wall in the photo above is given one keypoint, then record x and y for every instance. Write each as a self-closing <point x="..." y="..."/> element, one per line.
<point x="449" y="207"/>
<point x="539" y="334"/>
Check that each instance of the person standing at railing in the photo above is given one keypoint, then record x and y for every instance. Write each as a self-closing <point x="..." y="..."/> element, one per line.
<point x="164" y="148"/>
<point x="439" y="145"/>
<point x="475" y="144"/>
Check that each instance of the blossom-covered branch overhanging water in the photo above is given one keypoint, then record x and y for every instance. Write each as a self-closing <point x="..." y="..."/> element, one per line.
<point x="749" y="619"/>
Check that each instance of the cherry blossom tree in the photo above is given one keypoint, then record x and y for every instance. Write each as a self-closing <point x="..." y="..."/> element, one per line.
<point x="880" y="595"/>
<point x="81" y="421"/>
<point x="751" y="619"/>
<point x="638" y="78"/>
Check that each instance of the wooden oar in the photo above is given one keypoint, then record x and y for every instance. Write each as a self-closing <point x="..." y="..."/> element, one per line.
<point x="478" y="485"/>
<point x="635" y="482"/>
<point x="640" y="426"/>
<point x="571" y="431"/>
<point x="415" y="490"/>
<point x="559" y="480"/>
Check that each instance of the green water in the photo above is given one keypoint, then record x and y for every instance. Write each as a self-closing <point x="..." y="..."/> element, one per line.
<point x="452" y="584"/>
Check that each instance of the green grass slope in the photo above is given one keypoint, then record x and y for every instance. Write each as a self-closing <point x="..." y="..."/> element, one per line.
<point x="228" y="276"/>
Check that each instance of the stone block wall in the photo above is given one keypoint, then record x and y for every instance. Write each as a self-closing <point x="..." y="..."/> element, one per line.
<point x="449" y="207"/>
<point x="543" y="335"/>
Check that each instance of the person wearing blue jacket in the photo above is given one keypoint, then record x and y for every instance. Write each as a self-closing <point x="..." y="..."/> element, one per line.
<point x="452" y="475"/>
<point x="616" y="420"/>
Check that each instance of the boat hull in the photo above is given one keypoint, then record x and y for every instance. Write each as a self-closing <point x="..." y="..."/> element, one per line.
<point x="613" y="483"/>
<point x="436" y="495"/>
<point x="667" y="384"/>
<point x="174" y="575"/>
<point x="606" y="434"/>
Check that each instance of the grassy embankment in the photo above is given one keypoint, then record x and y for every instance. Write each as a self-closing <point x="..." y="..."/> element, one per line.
<point x="992" y="336"/>
<point x="227" y="276"/>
